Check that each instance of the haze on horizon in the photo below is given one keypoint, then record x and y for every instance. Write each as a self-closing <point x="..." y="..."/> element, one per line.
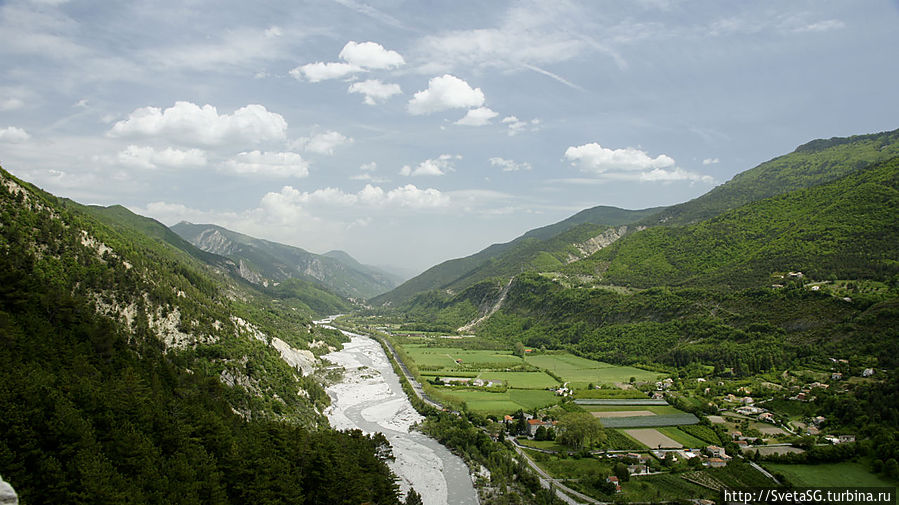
<point x="406" y="133"/>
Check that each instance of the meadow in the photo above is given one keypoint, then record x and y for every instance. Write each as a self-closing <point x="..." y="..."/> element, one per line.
<point x="581" y="371"/>
<point x="847" y="473"/>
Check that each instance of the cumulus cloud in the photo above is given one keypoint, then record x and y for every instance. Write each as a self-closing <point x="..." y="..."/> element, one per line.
<point x="375" y="90"/>
<point x="509" y="165"/>
<point x="269" y="164"/>
<point x="370" y="55"/>
<point x="710" y="161"/>
<point x="443" y="93"/>
<point x="478" y="117"/>
<point x="323" y="143"/>
<point x="677" y="174"/>
<point x="290" y="199"/>
<point x="149" y="158"/>
<point x="593" y="158"/>
<point x="437" y="166"/>
<point x="318" y="71"/>
<point x="357" y="57"/>
<point x="13" y="135"/>
<point x="517" y="126"/>
<point x="186" y="122"/>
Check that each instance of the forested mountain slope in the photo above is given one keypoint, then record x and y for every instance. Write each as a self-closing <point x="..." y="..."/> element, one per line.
<point x="263" y="262"/>
<point x="845" y="229"/>
<point x="716" y="293"/>
<point x="810" y="164"/>
<point x="134" y="372"/>
<point x="538" y="249"/>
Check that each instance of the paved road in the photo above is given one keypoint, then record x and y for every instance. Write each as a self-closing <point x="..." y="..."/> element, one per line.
<point x="564" y="492"/>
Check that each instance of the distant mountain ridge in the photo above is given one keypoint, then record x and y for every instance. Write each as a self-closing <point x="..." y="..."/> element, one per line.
<point x="536" y="249"/>
<point x="263" y="262"/>
<point x="816" y="162"/>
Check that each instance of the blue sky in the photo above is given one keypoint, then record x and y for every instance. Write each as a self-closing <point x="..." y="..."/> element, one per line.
<point x="408" y="133"/>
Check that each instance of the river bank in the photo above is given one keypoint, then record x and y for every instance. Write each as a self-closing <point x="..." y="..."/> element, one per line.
<point x="371" y="399"/>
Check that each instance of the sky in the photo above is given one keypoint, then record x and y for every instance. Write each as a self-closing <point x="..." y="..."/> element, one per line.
<point x="411" y="132"/>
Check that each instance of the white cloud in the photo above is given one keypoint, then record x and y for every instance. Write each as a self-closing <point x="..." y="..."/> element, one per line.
<point x="509" y="165"/>
<point x="11" y="104"/>
<point x="678" y="174"/>
<point x="290" y="200"/>
<point x="370" y="55"/>
<point x="478" y="117"/>
<point x="443" y="93"/>
<point x="186" y="122"/>
<point x="318" y="71"/>
<point x="149" y="158"/>
<point x="594" y="158"/>
<point x="437" y="166"/>
<point x="710" y="161"/>
<point x="271" y="164"/>
<point x="358" y="57"/>
<point x="323" y="143"/>
<point x="241" y="48"/>
<point x="822" y="26"/>
<point x="375" y="90"/>
<point x="517" y="126"/>
<point x="13" y="135"/>
<point x="368" y="167"/>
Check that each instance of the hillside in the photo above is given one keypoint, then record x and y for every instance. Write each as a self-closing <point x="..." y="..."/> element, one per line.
<point x="263" y="262"/>
<point x="534" y="250"/>
<point x="135" y="372"/>
<point x="712" y="296"/>
<point x="845" y="229"/>
<point x="810" y="164"/>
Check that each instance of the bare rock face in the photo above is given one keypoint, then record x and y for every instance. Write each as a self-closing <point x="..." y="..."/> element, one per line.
<point x="8" y="495"/>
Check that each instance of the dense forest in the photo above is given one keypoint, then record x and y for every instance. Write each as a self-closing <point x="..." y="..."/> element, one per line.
<point x="96" y="410"/>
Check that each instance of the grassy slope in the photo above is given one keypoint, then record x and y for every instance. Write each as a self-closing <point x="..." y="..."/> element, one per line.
<point x="509" y="258"/>
<point x="814" y="163"/>
<point x="843" y="229"/>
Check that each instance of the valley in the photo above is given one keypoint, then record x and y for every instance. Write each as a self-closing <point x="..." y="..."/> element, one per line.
<point x="745" y="338"/>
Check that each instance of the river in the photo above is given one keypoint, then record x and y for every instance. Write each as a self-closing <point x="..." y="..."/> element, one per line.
<point x="371" y="399"/>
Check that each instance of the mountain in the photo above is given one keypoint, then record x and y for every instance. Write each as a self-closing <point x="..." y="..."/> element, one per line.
<point x="802" y="276"/>
<point x="810" y="164"/>
<point x="263" y="262"/>
<point x="546" y="247"/>
<point x="135" y="369"/>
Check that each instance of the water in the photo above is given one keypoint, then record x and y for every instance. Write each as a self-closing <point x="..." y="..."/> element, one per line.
<point x="371" y="399"/>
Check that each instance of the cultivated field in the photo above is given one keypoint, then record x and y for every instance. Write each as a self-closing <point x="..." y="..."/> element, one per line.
<point x="652" y="438"/>
<point x="522" y="380"/>
<point x="485" y="402"/>
<point x="830" y="474"/>
<point x="581" y="371"/>
<point x="622" y="413"/>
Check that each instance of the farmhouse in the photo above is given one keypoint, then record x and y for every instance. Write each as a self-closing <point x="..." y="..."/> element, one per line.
<point x="715" y="451"/>
<point x="717" y="463"/>
<point x="614" y="480"/>
<point x="847" y="439"/>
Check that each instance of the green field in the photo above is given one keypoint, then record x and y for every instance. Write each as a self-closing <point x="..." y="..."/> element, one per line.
<point x="677" y="435"/>
<point x="581" y="371"/>
<point x="522" y="380"/>
<point x="656" y="409"/>
<point x="445" y="357"/>
<point x="829" y="474"/>
<point x="485" y="402"/>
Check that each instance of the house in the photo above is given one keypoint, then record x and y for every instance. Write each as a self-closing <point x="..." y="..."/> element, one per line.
<point x="508" y="419"/>
<point x="657" y="395"/>
<point x="847" y="439"/>
<point x="730" y="398"/>
<point x="736" y="435"/>
<point x="741" y="443"/>
<point x="836" y="376"/>
<point x="749" y="411"/>
<point x="715" y="451"/>
<point x="767" y="417"/>
<point x="700" y="379"/>
<point x="747" y="400"/>
<point x="819" y="420"/>
<point x="717" y="463"/>
<point x="642" y="458"/>
<point x="637" y="469"/>
<point x="533" y="424"/>
<point x="744" y="389"/>
<point x="868" y="372"/>
<point x="811" y="430"/>
<point x="614" y="480"/>
<point x="833" y="440"/>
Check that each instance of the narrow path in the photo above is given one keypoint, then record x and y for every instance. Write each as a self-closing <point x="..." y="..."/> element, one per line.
<point x="564" y="492"/>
